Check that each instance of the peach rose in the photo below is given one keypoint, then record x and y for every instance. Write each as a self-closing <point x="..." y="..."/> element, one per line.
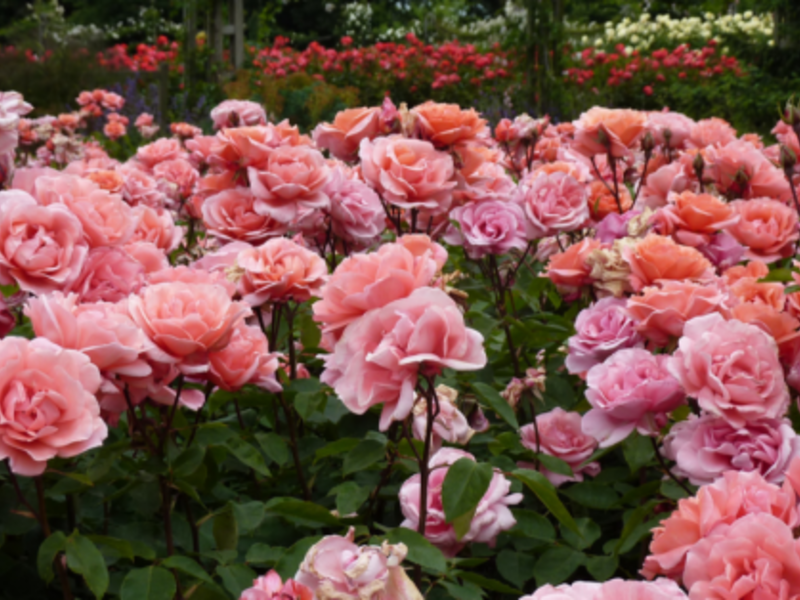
<point x="694" y="217"/>
<point x="602" y="202"/>
<point x="106" y="219"/>
<point x="241" y="147"/>
<point x="349" y="127"/>
<point x="568" y="269"/>
<point x="748" y="289"/>
<point x="159" y="151"/>
<point x="109" y="274"/>
<point x="711" y="132"/>
<point x="47" y="403"/>
<point x="554" y="204"/>
<point x="280" y="270"/>
<point x="766" y="227"/>
<point x="176" y="178"/>
<point x="780" y="325"/>
<point x="42" y="248"/>
<point x="111" y="181"/>
<point x="754" y="269"/>
<point x="447" y="124"/>
<point x="147" y="254"/>
<point x="231" y="215"/>
<point x="656" y="257"/>
<point x="139" y="187"/>
<point x="156" y="226"/>
<point x="607" y="130"/>
<point x="238" y="113"/>
<point x="194" y="274"/>
<point x="246" y="359"/>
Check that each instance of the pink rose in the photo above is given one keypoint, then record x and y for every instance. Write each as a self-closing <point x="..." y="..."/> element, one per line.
<point x="669" y="129"/>
<point x="246" y="359"/>
<point x="741" y="170"/>
<point x="176" y="177"/>
<point x="711" y="132"/>
<point x="580" y="590"/>
<point x="280" y="270"/>
<point x="450" y="425"/>
<point x="147" y="254"/>
<point x="608" y="130"/>
<point x="156" y="226"/>
<point x="193" y="275"/>
<point x="600" y="330"/>
<point x="754" y="557"/>
<point x="705" y="447"/>
<point x="357" y="215"/>
<point x="660" y="589"/>
<point x="12" y="107"/>
<point x="161" y="150"/>
<point x="290" y="184"/>
<point x="106" y="219"/>
<point x="378" y="359"/>
<point x="221" y="260"/>
<point x="231" y="215"/>
<point x="47" y="403"/>
<point x="238" y="113"/>
<point x="488" y="227"/>
<point x="109" y="275"/>
<point x="408" y="173"/>
<point x="364" y="282"/>
<point x="270" y="587"/>
<point x="186" y="321"/>
<point x="7" y="320"/>
<point x="42" y="248"/>
<point x="342" y="137"/>
<point x="767" y="228"/>
<point x="492" y="515"/>
<point x="631" y="390"/>
<point x="337" y="568"/>
<point x="731" y="369"/>
<point x="140" y="188"/>
<point x="560" y="435"/>
<point x="554" y="203"/>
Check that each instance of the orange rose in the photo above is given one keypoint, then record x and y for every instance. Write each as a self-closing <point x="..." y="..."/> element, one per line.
<point x="447" y="124"/>
<point x="569" y="270"/>
<point x="767" y="228"/>
<point x="701" y="213"/>
<point x="608" y="130"/>
<point x="349" y="127"/>
<point x="755" y="269"/>
<point x="602" y="202"/>
<point x="657" y="257"/>
<point x="780" y="325"/>
<point x="110" y="181"/>
<point x="747" y="289"/>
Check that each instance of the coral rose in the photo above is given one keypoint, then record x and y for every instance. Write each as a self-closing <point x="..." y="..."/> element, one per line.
<point x="245" y="359"/>
<point x="554" y="204"/>
<point x="447" y="124"/>
<point x="157" y="227"/>
<point x="109" y="275"/>
<point x="488" y="227"/>
<point x="767" y="228"/>
<point x="270" y="587"/>
<point x="608" y="131"/>
<point x="695" y="216"/>
<point x="569" y="270"/>
<point x="656" y="258"/>
<point x="342" y="137"/>
<point x="238" y="113"/>
<point x="231" y="215"/>
<point x="601" y="201"/>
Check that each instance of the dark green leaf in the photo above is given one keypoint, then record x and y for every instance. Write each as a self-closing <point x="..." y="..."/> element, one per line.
<point x="420" y="550"/>
<point x="592" y="495"/>
<point x="188" y="461"/>
<point x="48" y="551"/>
<point x="487" y="583"/>
<point x="555" y="465"/>
<point x="288" y="564"/>
<point x="534" y="525"/>
<point x="363" y="456"/>
<point x="262" y="553"/>
<point x="556" y="565"/>
<point x="275" y="447"/>
<point x="338" y="447"/>
<point x="85" y="559"/>
<point x="213" y="434"/>
<point x="516" y="567"/>
<point x="120" y="548"/>
<point x="349" y="497"/>
<point x="226" y="530"/>
<point x="236" y="578"/>
<point x="633" y="521"/>
<point x="464" y="485"/>
<point x="638" y="451"/>
<point x="186" y="565"/>
<point x="151" y="583"/>
<point x="310" y="334"/>
<point x="673" y="491"/>
<point x="248" y="455"/>
<point x="590" y="533"/>
<point x="304" y="511"/>
<point x="248" y="515"/>
<point x="602" y="568"/>
<point x="497" y="403"/>
<point x="309" y="403"/>
<point x="546" y="493"/>
<point x="468" y="591"/>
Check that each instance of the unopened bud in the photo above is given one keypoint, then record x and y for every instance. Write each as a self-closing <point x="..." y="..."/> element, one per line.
<point x="788" y="158"/>
<point x="667" y="133"/>
<point x="603" y="138"/>
<point x="698" y="164"/>
<point x="648" y="143"/>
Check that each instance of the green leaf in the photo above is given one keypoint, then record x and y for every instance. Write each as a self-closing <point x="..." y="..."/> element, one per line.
<point x="633" y="521"/>
<point x="188" y="461"/>
<point x="534" y="525"/>
<point x="288" y="564"/>
<point x="602" y="568"/>
<point x="248" y="455"/>
<point x="226" y="530"/>
<point x="48" y="551"/>
<point x="186" y="565"/>
<point x="464" y="485"/>
<point x="275" y="447"/>
<point x="546" y="493"/>
<point x="120" y="548"/>
<point x="487" y="583"/>
<point x="420" y="551"/>
<point x="151" y="583"/>
<point x="468" y="591"/>
<point x="80" y="478"/>
<point x="338" y="447"/>
<point x="363" y="456"/>
<point x="673" y="491"/>
<point x="516" y="567"/>
<point x="592" y="495"/>
<point x="349" y="497"/>
<point x="263" y="553"/>
<point x="308" y="403"/>
<point x="85" y="559"/>
<point x="590" y="533"/>
<point x="213" y="434"/>
<point x="236" y="578"/>
<point x="304" y="511"/>
<point x="497" y="403"/>
<point x="248" y="515"/>
<point x="638" y="451"/>
<point x="783" y="275"/>
<point x="310" y="334"/>
<point x="555" y="465"/>
<point x="556" y="565"/>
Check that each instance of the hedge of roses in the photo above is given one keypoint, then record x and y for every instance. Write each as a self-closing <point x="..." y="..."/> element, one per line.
<point x="402" y="357"/>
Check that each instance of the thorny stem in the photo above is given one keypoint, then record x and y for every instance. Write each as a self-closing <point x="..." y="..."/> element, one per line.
<point x="600" y="177"/>
<point x="667" y="470"/>
<point x="643" y="177"/>
<point x="613" y="163"/>
<point x="432" y="408"/>
<point x="500" y="294"/>
<point x="290" y="312"/>
<point x="171" y="415"/>
<point x="20" y="495"/>
<point x="298" y="465"/>
<point x="43" y="521"/>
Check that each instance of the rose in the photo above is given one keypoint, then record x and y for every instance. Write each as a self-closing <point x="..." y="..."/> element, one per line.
<point x="723" y="250"/>
<point x="704" y="447"/>
<point x="378" y="359"/>
<point x="447" y="124"/>
<point x="280" y="270"/>
<point x="231" y="215"/>
<point x="140" y="188"/>
<point x="731" y="368"/>
<point x="156" y="226"/>
<point x="606" y="130"/>
<point x="245" y="359"/>
<point x="194" y="274"/>
<point x="109" y="275"/>
<point x="669" y="129"/>
<point x="560" y="435"/>
<point x="342" y="137"/>
<point x="569" y="270"/>
<point x="47" y="403"/>
<point x="357" y="215"/>
<point x="157" y="152"/>
<point x="554" y="204"/>
<point x="740" y="170"/>
<point x="492" y="515"/>
<point x="488" y="227"/>
<point x="176" y="178"/>
<point x="408" y="173"/>
<point x="711" y="132"/>
<point x="657" y="257"/>
<point x="767" y="228"/>
<point x="238" y="113"/>
<point x="600" y="330"/>
<point x="615" y="589"/>
<point x="694" y="217"/>
<point x="631" y="390"/>
<point x="450" y="425"/>
<point x="270" y="587"/>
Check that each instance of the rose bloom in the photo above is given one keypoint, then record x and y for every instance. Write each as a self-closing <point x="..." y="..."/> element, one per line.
<point x="194" y="274"/>
<point x="408" y="173"/>
<point x="615" y="589"/>
<point x="488" y="227"/>
<point x="47" y="403"/>
<point x="357" y="215"/>
<point x="147" y="254"/>
<point x="560" y="435"/>
<point x="270" y="587"/>
<point x="450" y="425"/>
<point x="238" y="113"/>
<point x="728" y="499"/>
<point x="766" y="227"/>
<point x="139" y="187"/>
<point x="731" y="368"/>
<point x="290" y="183"/>
<point x="600" y="330"/>
<point x="106" y="219"/>
<point x="246" y="359"/>
<point x="711" y="132"/>
<point x="363" y="282"/>
<point x="492" y="515"/>
<point x="781" y="326"/>
<point x="553" y="204"/>
<point x="378" y="359"/>
<point x="705" y="447"/>
<point x="614" y="226"/>
<point x="342" y="137"/>
<point x="186" y="321"/>
<point x="754" y="557"/>
<point x="601" y="202"/>
<point x="156" y="226"/>
<point x="749" y="289"/>
<point x="661" y="311"/>
<point x="108" y="180"/>
<point x="280" y="270"/>
<point x="660" y="182"/>
<point x="607" y="130"/>
<point x="669" y="129"/>
<point x="176" y="178"/>
<point x="109" y="275"/>
<point x="695" y="216"/>
<point x="723" y="250"/>
<point x="740" y="170"/>
<point x="159" y="151"/>
<point x="656" y="257"/>
<point x="231" y="215"/>
<point x="337" y="568"/>
<point x="42" y="248"/>
<point x="447" y="124"/>
<point x="631" y="390"/>
<point x="754" y="269"/>
<point x="568" y="270"/>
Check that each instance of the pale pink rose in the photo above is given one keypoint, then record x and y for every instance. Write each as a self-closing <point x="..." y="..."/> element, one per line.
<point x="147" y="254"/>
<point x="238" y="113"/>
<point x="492" y="515"/>
<point x="488" y="227"/>
<point x="631" y="390"/>
<point x="62" y="188"/>
<point x="357" y="215"/>
<point x="200" y="149"/>
<point x="12" y="107"/>
<point x="423" y="248"/>
<point x="280" y="270"/>
<point x="731" y="368"/>
<point x="614" y="226"/>
<point x="47" y="403"/>
<point x="668" y="178"/>
<point x="560" y="435"/>
<point x="378" y="359"/>
<point x="109" y="275"/>
<point x="290" y="184"/>
<point x="193" y="274"/>
<point x="342" y="137"/>
<point x="711" y="132"/>
<point x="335" y="568"/>
<point x="141" y="188"/>
<point x="106" y="219"/>
<point x="161" y="150"/>
<point x="600" y="330"/>
<point x="740" y="170"/>
<point x="669" y="129"/>
<point x="246" y="359"/>
<point x="186" y="321"/>
<point x="766" y="228"/>
<point x="176" y="178"/>
<point x="270" y="587"/>
<point x="660" y="589"/>
<point x="754" y="557"/>
<point x="156" y="226"/>
<point x="231" y="215"/>
<point x="222" y="260"/>
<point x="554" y="203"/>
<point x="727" y="500"/>
<point x="704" y="447"/>
<point x="450" y="425"/>
<point x="42" y="248"/>
<point x="580" y="590"/>
<point x="364" y="282"/>
<point x="608" y="131"/>
<point x="408" y="173"/>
